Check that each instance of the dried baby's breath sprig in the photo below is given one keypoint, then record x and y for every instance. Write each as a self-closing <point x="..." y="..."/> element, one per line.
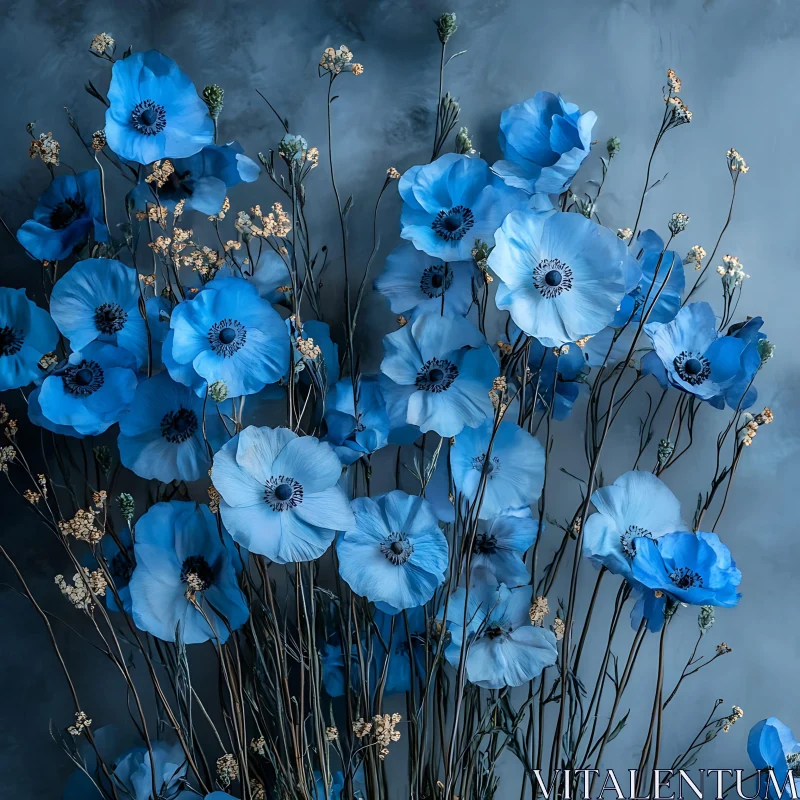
<point x="731" y="272"/>
<point x="220" y="215"/>
<point x="48" y="360"/>
<point x="102" y="45"/>
<point x="678" y="222"/>
<point x="227" y="769"/>
<point x="32" y="497"/>
<point x="46" y="148"/>
<point x="161" y="244"/>
<point x="735" y="715"/>
<point x="695" y="256"/>
<point x="161" y="172"/>
<point x="401" y="321"/>
<point x="82" y="527"/>
<point x="257" y="790"/>
<point x="335" y="62"/>
<point x="84" y="585"/>
<point x="673" y="81"/>
<point x="99" y="140"/>
<point x="331" y="733"/>
<point x="82" y="722"/>
<point x="384" y="732"/>
<point x="625" y="234"/>
<point x="393" y="174"/>
<point x="559" y="627"/>
<point x="736" y="163"/>
<point x="259" y="745"/>
<point x="214" y="499"/>
<point x="539" y="610"/>
<point x="361" y="727"/>
<point x="7" y="456"/>
<point x="308" y="349"/>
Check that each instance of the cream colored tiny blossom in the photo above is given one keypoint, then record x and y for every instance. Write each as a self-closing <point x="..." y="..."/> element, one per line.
<point x="157" y="214"/>
<point x="245" y="225"/>
<point x="357" y="69"/>
<point x="214" y="499"/>
<point x="680" y="111"/>
<point x="161" y="244"/>
<point x="673" y="81"/>
<point x="505" y="348"/>
<point x="277" y="222"/>
<point x="227" y="769"/>
<point x="361" y="727"/>
<point x="539" y="610"/>
<point x="82" y="722"/>
<point x="695" y="256"/>
<point x="161" y="172"/>
<point x="32" y="497"/>
<point x="3" y="414"/>
<point x="46" y="148"/>
<point x="82" y="527"/>
<point x="311" y="156"/>
<point x="11" y="429"/>
<point x="736" y="163"/>
<point x="257" y="791"/>
<point x="735" y="715"/>
<point x="335" y="61"/>
<point x="178" y="210"/>
<point x="99" y="141"/>
<point x="331" y="734"/>
<point x="84" y="585"/>
<point x="232" y="244"/>
<point x="259" y="745"/>
<point x="582" y="342"/>
<point x="765" y="417"/>
<point x="393" y="174"/>
<point x="558" y="628"/>
<point x="42" y="481"/>
<point x="226" y="207"/>
<point x="101" y="44"/>
<point x="732" y="270"/>
<point x="147" y="280"/>
<point x="7" y="455"/>
<point x="624" y="233"/>
<point x="308" y="349"/>
<point x="402" y="321"/>
<point x="723" y="649"/>
<point x="384" y="732"/>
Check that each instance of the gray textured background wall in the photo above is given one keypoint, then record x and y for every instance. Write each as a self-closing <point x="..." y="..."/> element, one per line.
<point x="738" y="61"/>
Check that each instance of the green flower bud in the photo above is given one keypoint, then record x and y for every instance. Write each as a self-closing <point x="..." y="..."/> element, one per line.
<point x="446" y="26"/>
<point x="126" y="506"/>
<point x="463" y="142"/>
<point x="218" y="391"/>
<point x="213" y="96"/>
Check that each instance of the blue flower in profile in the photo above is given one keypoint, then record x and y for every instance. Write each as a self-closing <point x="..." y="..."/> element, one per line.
<point x="90" y="391"/>
<point x="500" y="545"/>
<point x="556" y="378"/>
<point x="414" y="281"/>
<point x="279" y="491"/>
<point x="693" y="568"/>
<point x="741" y="390"/>
<point x="515" y="469"/>
<point x="436" y="374"/>
<point x="66" y="215"/>
<point x="26" y="334"/>
<point x="395" y="554"/>
<point x="154" y="110"/>
<point x="562" y="276"/>
<point x="772" y="745"/>
<point x="185" y="576"/>
<point x="98" y="300"/>
<point x="493" y="621"/>
<point x="161" y="436"/>
<point x="637" y="504"/>
<point x="650" y="606"/>
<point x="544" y="141"/>
<point x="691" y="355"/>
<point x="356" y="429"/>
<point x="201" y="181"/>
<point x="269" y="275"/>
<point x="228" y="333"/>
<point x="451" y="202"/>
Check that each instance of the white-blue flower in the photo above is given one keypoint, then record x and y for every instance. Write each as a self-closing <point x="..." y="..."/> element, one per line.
<point x="562" y="276"/>
<point x="500" y="544"/>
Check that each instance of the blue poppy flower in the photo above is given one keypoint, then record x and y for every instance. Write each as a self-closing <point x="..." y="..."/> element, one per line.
<point x="451" y="202"/>
<point x="649" y="606"/>
<point x="436" y="374"/>
<point x="414" y="281"/>
<point x="270" y="274"/>
<point x="228" y="333"/>
<point x="26" y="334"/>
<point x="515" y="472"/>
<point x="395" y="552"/>
<point x="556" y="378"/>
<point x="131" y="770"/>
<point x="201" y="181"/>
<point x="181" y="373"/>
<point x="693" y="568"/>
<point x="180" y="555"/>
<point x="155" y="111"/>
<point x="544" y="141"/>
<point x="637" y="504"/>
<point x="161" y="436"/>
<point x="98" y="300"/>
<point x="90" y="391"/>
<point x="772" y="745"/>
<point x="37" y="417"/>
<point x="691" y="355"/>
<point x="279" y="491"/>
<point x="121" y="562"/>
<point x="562" y="276"/>
<point x="67" y="213"/>
<point x="356" y="432"/>
<point x="741" y="391"/>
<point x="504" y="649"/>
<point x="500" y="545"/>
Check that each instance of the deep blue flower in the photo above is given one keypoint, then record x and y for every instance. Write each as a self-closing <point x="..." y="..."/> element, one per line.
<point x="504" y="648"/>
<point x="395" y="553"/>
<point x="451" y="202"/>
<point x="121" y="562"/>
<point x="131" y="770"/>
<point x="202" y="180"/>
<point x="690" y="354"/>
<point x="414" y="281"/>
<point x="67" y="213"/>
<point x="772" y="745"/>
<point x="693" y="568"/>
<point x="155" y="111"/>
<point x="270" y="274"/>
<point x="500" y="545"/>
<point x="556" y="378"/>
<point x="649" y="606"/>
<point x="161" y="436"/>
<point x="514" y="474"/>
<point x="356" y="432"/>
<point x="98" y="300"/>
<point x="179" y="555"/>
<point x="562" y="276"/>
<point x="90" y="391"/>
<point x="436" y="374"/>
<point x="741" y="390"/>
<point x="228" y="333"/>
<point x="279" y="491"/>
<point x="544" y="140"/>
<point x="26" y="334"/>
<point x="38" y="418"/>
<point x="637" y="504"/>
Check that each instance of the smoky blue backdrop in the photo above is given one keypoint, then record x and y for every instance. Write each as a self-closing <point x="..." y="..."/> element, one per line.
<point x="738" y="62"/>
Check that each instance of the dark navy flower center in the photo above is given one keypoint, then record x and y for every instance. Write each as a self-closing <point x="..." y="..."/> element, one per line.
<point x="495" y="631"/>
<point x="177" y="185"/>
<point x="453" y="225"/>
<point x="551" y="277"/>
<point x="685" y="578"/>
<point x="197" y="572"/>
<point x="693" y="368"/>
<point x="66" y="212"/>
<point x="282" y="493"/>
<point x="121" y="566"/>
<point x="110" y="318"/>
<point x="11" y="340"/>
<point x="627" y="539"/>
<point x="436" y="280"/>
<point x="178" y="426"/>
<point x="437" y="375"/>
<point x="149" y="118"/>
<point x="492" y="467"/>
<point x="83" y="379"/>
<point x="227" y="337"/>
<point x="485" y="543"/>
<point x="397" y="548"/>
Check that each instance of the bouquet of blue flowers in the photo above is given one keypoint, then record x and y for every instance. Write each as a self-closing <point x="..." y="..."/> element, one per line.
<point x="369" y="563"/>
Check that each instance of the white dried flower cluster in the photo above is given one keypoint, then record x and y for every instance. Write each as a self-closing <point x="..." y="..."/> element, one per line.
<point x="82" y="527"/>
<point x="336" y="61"/>
<point x="695" y="256"/>
<point x="227" y="769"/>
<point x="84" y="587"/>
<point x="625" y="234"/>
<point x="736" y="163"/>
<point x="731" y="272"/>
<point x="539" y="610"/>
<point x="46" y="148"/>
<point x="101" y="44"/>
<point x="735" y="715"/>
<point x="752" y="423"/>
<point x="82" y="722"/>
